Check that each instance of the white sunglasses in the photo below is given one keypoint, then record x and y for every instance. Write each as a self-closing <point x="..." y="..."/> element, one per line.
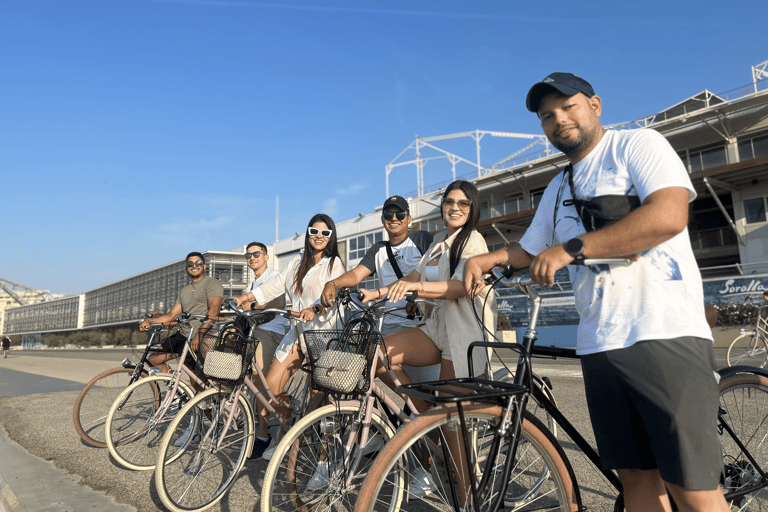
<point x="325" y="233"/>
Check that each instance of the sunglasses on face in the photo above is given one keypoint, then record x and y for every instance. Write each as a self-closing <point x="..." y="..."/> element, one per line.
<point x="390" y="215"/>
<point x="250" y="255"/>
<point x="191" y="264"/>
<point x="463" y="204"/>
<point x="325" y="233"/>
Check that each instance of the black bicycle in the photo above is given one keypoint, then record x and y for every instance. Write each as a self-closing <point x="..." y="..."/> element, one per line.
<point x="94" y="401"/>
<point x="485" y="451"/>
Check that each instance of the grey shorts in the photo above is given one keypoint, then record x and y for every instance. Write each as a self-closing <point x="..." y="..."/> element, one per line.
<point x="265" y="351"/>
<point x="654" y="406"/>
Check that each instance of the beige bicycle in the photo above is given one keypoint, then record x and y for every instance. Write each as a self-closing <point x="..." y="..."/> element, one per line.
<point x="750" y="348"/>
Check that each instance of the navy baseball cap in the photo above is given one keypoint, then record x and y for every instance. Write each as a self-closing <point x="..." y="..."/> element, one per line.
<point x="396" y="201"/>
<point x="565" y="83"/>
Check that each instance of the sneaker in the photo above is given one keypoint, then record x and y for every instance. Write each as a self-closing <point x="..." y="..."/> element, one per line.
<point x="181" y="441"/>
<point x="259" y="447"/>
<point x="421" y="484"/>
<point x="375" y="443"/>
<point x="320" y="478"/>
<point x="269" y="451"/>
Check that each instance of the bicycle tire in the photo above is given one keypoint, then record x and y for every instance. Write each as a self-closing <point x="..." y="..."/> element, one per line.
<point x="541" y="479"/>
<point x="744" y="403"/>
<point x="201" y="474"/>
<point x="93" y="403"/>
<point x="133" y="431"/>
<point x="755" y="353"/>
<point x="320" y="437"/>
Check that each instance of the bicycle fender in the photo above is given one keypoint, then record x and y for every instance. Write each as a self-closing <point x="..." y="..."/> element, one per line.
<point x="733" y="370"/>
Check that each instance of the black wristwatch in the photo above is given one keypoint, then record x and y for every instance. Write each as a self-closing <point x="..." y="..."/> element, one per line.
<point x="575" y="247"/>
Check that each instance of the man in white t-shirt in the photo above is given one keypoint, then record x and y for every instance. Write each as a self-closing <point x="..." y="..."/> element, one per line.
<point x="646" y="348"/>
<point x="406" y="248"/>
<point x="269" y="335"/>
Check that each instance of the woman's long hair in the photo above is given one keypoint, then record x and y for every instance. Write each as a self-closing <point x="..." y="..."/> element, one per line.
<point x="473" y="217"/>
<point x="331" y="250"/>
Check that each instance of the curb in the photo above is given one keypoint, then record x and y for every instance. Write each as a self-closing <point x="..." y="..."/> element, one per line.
<point x="7" y="498"/>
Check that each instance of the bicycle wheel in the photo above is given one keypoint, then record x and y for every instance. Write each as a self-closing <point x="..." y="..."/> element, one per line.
<point x="744" y="407"/>
<point x="311" y="470"/>
<point x="748" y="349"/>
<point x="541" y="476"/>
<point x="210" y="455"/>
<point x="136" y="421"/>
<point x="94" y="401"/>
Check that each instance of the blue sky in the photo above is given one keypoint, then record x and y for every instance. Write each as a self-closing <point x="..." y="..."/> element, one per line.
<point x="135" y="131"/>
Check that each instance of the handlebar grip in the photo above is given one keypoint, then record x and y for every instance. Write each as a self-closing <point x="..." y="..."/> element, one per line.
<point x="412" y="295"/>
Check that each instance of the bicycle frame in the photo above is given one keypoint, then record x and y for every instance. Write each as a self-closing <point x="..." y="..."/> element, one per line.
<point x="154" y="331"/>
<point x="523" y="377"/>
<point x="375" y="392"/>
<point x="176" y="374"/>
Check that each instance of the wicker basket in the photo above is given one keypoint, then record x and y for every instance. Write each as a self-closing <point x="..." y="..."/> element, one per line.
<point x="340" y="362"/>
<point x="231" y="354"/>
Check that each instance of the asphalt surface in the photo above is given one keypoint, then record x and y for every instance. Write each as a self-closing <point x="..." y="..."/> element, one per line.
<point x="44" y="466"/>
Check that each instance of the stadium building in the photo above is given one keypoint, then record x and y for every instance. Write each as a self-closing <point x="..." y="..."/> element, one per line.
<point x="721" y="138"/>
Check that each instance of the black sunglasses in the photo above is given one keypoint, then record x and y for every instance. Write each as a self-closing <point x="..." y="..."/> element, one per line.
<point x="390" y="215"/>
<point x="191" y="264"/>
<point x="250" y="255"/>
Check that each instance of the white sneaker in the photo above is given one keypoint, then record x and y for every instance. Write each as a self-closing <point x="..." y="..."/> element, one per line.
<point x="421" y="484"/>
<point x="267" y="455"/>
<point x="181" y="441"/>
<point x="375" y="443"/>
<point x="320" y="478"/>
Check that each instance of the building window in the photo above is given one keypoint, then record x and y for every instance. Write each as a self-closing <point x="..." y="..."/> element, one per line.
<point x="753" y="148"/>
<point x="359" y="245"/>
<point x="698" y="159"/>
<point x="754" y="210"/>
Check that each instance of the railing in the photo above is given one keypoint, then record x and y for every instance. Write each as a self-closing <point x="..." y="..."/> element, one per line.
<point x="520" y="160"/>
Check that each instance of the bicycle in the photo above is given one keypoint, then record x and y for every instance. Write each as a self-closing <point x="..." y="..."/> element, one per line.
<point x="138" y="417"/>
<point x="200" y="455"/>
<point x="94" y="401"/>
<point x="320" y="462"/>
<point x="750" y="347"/>
<point x="509" y="460"/>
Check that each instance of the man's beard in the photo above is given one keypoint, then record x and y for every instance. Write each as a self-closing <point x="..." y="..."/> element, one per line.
<point x="577" y="146"/>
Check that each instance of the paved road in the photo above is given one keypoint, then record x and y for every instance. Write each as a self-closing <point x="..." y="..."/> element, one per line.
<point x="45" y="467"/>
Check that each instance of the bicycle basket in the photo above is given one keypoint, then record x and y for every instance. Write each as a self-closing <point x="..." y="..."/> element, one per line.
<point x="340" y="361"/>
<point x="230" y="356"/>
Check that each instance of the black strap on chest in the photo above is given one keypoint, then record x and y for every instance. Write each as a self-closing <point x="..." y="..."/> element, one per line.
<point x="600" y="211"/>
<point x="392" y="261"/>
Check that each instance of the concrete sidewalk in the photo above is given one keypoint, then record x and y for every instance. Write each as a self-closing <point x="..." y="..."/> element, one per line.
<point x="31" y="484"/>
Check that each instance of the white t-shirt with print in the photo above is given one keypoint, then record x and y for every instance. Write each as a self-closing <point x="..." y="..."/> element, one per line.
<point x="407" y="255"/>
<point x="660" y="296"/>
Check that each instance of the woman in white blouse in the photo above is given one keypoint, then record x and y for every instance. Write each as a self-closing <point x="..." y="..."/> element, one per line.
<point x="303" y="280"/>
<point x="452" y="325"/>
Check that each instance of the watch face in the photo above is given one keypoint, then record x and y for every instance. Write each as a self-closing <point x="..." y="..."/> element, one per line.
<point x="574" y="246"/>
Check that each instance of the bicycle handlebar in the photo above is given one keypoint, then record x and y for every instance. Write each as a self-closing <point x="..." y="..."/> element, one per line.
<point x="506" y="271"/>
<point x="232" y="304"/>
<point x="186" y="318"/>
<point x="346" y="296"/>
